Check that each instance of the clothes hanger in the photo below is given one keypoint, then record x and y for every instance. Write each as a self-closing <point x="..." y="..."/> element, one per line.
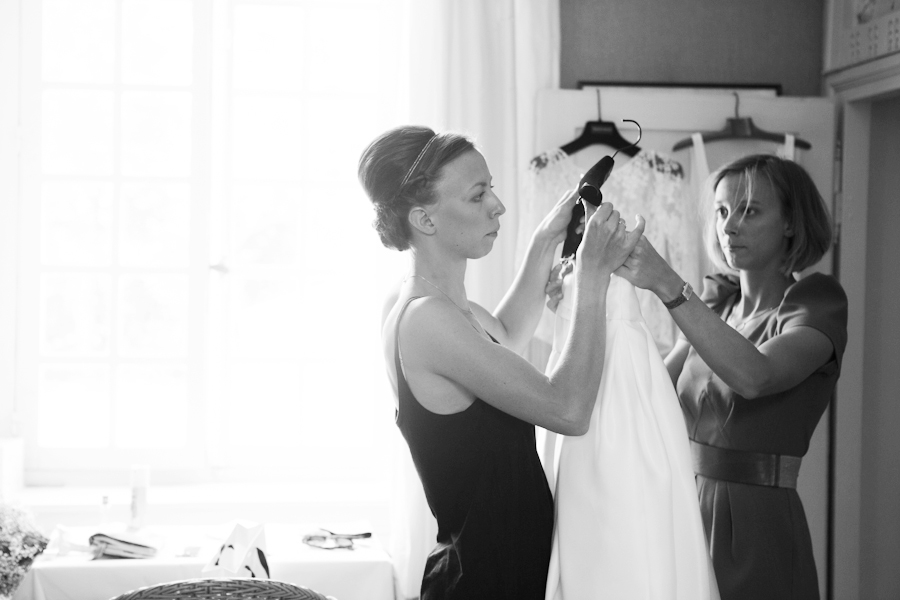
<point x="589" y="191"/>
<point x="600" y="132"/>
<point x="740" y="128"/>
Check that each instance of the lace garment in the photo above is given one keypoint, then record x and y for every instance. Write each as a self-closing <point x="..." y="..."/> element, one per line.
<point x="651" y="185"/>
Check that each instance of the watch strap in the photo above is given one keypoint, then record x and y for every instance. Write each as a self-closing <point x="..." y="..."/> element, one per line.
<point x="684" y="296"/>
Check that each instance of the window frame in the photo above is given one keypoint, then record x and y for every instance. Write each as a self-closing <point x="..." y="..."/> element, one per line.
<point x="47" y="466"/>
<point x="206" y="459"/>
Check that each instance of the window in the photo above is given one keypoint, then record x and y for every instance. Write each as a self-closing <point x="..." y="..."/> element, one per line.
<point x="199" y="280"/>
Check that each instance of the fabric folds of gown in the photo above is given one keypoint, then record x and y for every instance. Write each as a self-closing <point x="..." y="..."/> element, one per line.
<point x="627" y="514"/>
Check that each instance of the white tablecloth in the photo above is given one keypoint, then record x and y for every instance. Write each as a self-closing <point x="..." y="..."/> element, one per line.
<point x="364" y="573"/>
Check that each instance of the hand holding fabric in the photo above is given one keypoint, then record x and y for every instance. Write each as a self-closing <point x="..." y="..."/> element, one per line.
<point x="606" y="243"/>
<point x="645" y="268"/>
<point x="557" y="220"/>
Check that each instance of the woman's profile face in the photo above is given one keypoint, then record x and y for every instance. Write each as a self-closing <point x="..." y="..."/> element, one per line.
<point x="750" y="225"/>
<point x="467" y="212"/>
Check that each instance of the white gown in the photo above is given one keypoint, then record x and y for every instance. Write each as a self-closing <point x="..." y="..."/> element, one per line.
<point x="627" y="513"/>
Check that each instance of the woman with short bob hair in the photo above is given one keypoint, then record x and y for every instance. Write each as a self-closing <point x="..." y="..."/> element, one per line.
<point x="803" y="206"/>
<point x="755" y="368"/>
<point x="466" y="401"/>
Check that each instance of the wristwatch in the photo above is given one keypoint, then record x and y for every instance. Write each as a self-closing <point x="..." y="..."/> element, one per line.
<point x="686" y="292"/>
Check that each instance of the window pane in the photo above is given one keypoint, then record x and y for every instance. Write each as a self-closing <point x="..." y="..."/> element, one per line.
<point x="78" y="41"/>
<point x="265" y="224"/>
<point x="264" y="405"/>
<point x="268" y="136"/>
<point x="73" y="406"/>
<point x="266" y="316"/>
<point x="329" y="419"/>
<point x="338" y="232"/>
<point x="75" y="314"/>
<point x="76" y="224"/>
<point x="153" y="311"/>
<point x="151" y="406"/>
<point x="156" y="133"/>
<point x="157" y="39"/>
<point x="268" y="47"/>
<point x="154" y="225"/>
<point x="332" y="148"/>
<point x="77" y="132"/>
<point x="293" y="405"/>
<point x="357" y="64"/>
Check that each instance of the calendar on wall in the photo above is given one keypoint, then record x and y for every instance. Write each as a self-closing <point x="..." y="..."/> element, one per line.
<point x="862" y="30"/>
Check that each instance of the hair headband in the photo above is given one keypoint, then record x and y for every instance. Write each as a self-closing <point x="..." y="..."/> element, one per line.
<point x="418" y="158"/>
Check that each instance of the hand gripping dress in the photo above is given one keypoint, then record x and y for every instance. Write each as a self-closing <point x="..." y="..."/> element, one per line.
<point x="752" y="515"/>
<point x="487" y="490"/>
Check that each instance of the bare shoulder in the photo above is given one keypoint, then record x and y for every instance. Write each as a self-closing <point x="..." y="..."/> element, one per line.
<point x="432" y="321"/>
<point x="490" y="323"/>
<point x="443" y="356"/>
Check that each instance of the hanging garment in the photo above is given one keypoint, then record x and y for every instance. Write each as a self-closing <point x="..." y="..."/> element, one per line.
<point x="701" y="163"/>
<point x="648" y="184"/>
<point x="627" y="516"/>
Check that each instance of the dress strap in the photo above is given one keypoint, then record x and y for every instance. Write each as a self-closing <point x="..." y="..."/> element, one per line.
<point x="738" y="466"/>
<point x="398" y="359"/>
<point x="787" y="151"/>
<point x="701" y="164"/>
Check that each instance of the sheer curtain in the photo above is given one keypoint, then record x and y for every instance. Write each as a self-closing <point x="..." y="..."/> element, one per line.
<point x="475" y="67"/>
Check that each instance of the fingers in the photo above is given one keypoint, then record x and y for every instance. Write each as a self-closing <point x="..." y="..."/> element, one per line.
<point x="635" y="235"/>
<point x="602" y="213"/>
<point x="569" y="197"/>
<point x="589" y="211"/>
<point x="624" y="272"/>
<point x="639" y="228"/>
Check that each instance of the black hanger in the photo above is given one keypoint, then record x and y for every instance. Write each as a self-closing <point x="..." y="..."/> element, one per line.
<point x="600" y="132"/>
<point x="740" y="128"/>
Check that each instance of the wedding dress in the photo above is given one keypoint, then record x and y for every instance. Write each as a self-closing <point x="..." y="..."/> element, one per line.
<point x="627" y="514"/>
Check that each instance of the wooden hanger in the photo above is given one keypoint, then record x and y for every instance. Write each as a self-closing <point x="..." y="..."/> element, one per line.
<point x="600" y="132"/>
<point x="740" y="128"/>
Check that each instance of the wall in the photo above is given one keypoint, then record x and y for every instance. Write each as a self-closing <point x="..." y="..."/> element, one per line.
<point x="694" y="41"/>
<point x="880" y="477"/>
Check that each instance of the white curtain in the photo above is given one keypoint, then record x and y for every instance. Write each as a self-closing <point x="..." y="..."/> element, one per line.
<point x="475" y="68"/>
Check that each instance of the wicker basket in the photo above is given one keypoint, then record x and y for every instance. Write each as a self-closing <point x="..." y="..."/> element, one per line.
<point x="223" y="589"/>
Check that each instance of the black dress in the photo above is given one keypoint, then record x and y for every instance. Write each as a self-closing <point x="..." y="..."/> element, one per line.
<point x="758" y="535"/>
<point x="487" y="490"/>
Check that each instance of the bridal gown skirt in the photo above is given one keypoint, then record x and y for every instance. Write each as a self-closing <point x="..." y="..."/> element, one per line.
<point x="627" y="512"/>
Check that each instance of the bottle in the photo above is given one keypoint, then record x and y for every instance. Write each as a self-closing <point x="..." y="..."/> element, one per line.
<point x="140" y="481"/>
<point x="105" y="512"/>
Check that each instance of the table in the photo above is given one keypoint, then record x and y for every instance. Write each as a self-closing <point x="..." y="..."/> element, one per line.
<point x="364" y="573"/>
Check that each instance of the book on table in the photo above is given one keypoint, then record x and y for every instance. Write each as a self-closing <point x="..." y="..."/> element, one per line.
<point x="119" y="546"/>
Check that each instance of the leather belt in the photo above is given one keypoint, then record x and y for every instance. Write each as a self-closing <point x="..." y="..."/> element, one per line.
<point x="738" y="466"/>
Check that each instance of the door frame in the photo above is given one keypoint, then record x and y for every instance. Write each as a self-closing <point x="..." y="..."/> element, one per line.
<point x="854" y="90"/>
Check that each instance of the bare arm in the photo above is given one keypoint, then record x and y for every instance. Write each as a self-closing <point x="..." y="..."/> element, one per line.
<point x="517" y="315"/>
<point x="676" y="357"/>
<point x="561" y="401"/>
<point x="776" y="365"/>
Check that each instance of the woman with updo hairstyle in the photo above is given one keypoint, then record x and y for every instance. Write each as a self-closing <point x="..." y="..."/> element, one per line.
<point x="466" y="400"/>
<point x="755" y="368"/>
